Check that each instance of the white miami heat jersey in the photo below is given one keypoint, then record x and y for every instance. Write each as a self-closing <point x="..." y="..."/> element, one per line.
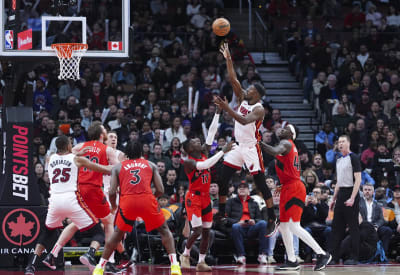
<point x="107" y="178"/>
<point x="63" y="173"/>
<point x="247" y="134"/>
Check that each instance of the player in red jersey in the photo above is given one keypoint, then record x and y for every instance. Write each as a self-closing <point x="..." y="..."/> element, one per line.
<point x="90" y="185"/>
<point x="293" y="195"/>
<point x="198" y="201"/>
<point x="134" y="177"/>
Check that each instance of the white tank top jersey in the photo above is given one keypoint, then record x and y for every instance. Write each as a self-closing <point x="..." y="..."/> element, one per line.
<point x="63" y="173"/>
<point x="107" y="178"/>
<point x="247" y="134"/>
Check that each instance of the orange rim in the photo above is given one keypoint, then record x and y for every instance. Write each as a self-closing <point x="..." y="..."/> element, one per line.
<point x="65" y="50"/>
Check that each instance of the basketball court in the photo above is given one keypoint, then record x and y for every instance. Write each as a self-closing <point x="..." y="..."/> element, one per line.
<point x="232" y="269"/>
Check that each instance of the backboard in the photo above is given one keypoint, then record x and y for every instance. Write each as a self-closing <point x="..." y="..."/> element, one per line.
<point x="30" y="27"/>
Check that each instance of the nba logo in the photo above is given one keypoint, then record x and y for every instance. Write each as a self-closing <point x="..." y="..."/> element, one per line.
<point x="9" y="41"/>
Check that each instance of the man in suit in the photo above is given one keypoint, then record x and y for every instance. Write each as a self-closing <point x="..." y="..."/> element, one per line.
<point x="371" y="211"/>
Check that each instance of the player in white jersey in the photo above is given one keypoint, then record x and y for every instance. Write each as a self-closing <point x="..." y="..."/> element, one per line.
<point x="112" y="141"/>
<point x="65" y="201"/>
<point x="248" y="119"/>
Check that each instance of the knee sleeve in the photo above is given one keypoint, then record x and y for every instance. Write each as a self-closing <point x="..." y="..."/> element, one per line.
<point x="98" y="233"/>
<point x="226" y="175"/>
<point x="259" y="180"/>
<point x="48" y="237"/>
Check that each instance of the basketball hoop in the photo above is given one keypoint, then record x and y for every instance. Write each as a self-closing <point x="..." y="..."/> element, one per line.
<point x="69" y="55"/>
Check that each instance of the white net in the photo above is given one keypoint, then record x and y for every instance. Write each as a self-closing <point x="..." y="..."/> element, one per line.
<point x="69" y="55"/>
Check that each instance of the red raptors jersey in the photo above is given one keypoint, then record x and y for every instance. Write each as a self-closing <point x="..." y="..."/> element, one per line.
<point x="288" y="166"/>
<point x="199" y="180"/>
<point x="98" y="154"/>
<point x="135" y="177"/>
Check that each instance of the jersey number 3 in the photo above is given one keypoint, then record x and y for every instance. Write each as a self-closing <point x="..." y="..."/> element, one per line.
<point x="296" y="163"/>
<point x="135" y="176"/>
<point x="61" y="175"/>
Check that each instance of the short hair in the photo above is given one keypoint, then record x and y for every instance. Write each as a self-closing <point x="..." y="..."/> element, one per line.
<point x="260" y="89"/>
<point x="134" y="150"/>
<point x="186" y="145"/>
<point x="95" y="130"/>
<point x="346" y="137"/>
<point x="62" y="143"/>
<point x="367" y="184"/>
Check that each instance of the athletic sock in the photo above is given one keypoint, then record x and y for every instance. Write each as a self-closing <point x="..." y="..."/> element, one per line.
<point x="102" y="263"/>
<point x="57" y="247"/>
<point x="186" y="252"/>
<point x="172" y="258"/>
<point x="112" y="258"/>
<point x="202" y="258"/>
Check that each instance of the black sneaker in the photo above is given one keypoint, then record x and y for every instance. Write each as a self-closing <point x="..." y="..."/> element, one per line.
<point x="30" y="270"/>
<point x="50" y="261"/>
<point x="350" y="262"/>
<point x="272" y="226"/>
<point x="88" y="260"/>
<point x="288" y="265"/>
<point x="333" y="262"/>
<point x="322" y="261"/>
<point x="111" y="268"/>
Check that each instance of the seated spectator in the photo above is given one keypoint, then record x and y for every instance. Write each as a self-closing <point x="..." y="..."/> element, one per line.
<point x="374" y="114"/>
<point x="41" y="97"/>
<point x="368" y="243"/>
<point x="355" y="18"/>
<point x="359" y="137"/>
<point x="305" y="159"/>
<point x="371" y="212"/>
<point x="175" y="131"/>
<point x="313" y="220"/>
<point x="318" y="84"/>
<point x="383" y="164"/>
<point x="392" y="141"/>
<point x="325" y="138"/>
<point x="244" y="216"/>
<point x="310" y="179"/>
<point x="394" y="121"/>
<point x="341" y="120"/>
<point x="364" y="106"/>
<point x="317" y="165"/>
<point x="374" y="16"/>
<point x="158" y="155"/>
<point x="124" y="76"/>
<point x="348" y="105"/>
<point x="328" y="95"/>
<point x="390" y="103"/>
<point x="214" y="190"/>
<point x="367" y="156"/>
<point x="170" y="186"/>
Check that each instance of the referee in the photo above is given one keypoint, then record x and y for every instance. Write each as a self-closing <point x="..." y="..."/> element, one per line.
<point x="346" y="201"/>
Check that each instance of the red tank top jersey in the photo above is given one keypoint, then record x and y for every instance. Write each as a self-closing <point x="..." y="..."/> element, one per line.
<point x="98" y="154"/>
<point x="288" y="166"/>
<point x="199" y="180"/>
<point x="135" y="177"/>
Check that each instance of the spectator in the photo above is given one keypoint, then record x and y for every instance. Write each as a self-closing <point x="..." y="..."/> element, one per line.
<point x="124" y="76"/>
<point x="325" y="138"/>
<point x="313" y="220"/>
<point x="392" y="141"/>
<point x="390" y="103"/>
<point x="374" y="16"/>
<point x="359" y="137"/>
<point x="341" y="120"/>
<point x="177" y="165"/>
<point x="328" y="95"/>
<point x="318" y="84"/>
<point x="175" y="131"/>
<point x="367" y="156"/>
<point x="310" y="180"/>
<point x="214" y="190"/>
<point x="68" y="89"/>
<point x="41" y="97"/>
<point x="116" y="123"/>
<point x="375" y="114"/>
<point x="179" y="196"/>
<point x="244" y="216"/>
<point x="355" y="18"/>
<point x="170" y="186"/>
<point x="348" y="105"/>
<point x="383" y="164"/>
<point x="317" y="165"/>
<point x="371" y="212"/>
<point x="162" y="170"/>
<point x="198" y="20"/>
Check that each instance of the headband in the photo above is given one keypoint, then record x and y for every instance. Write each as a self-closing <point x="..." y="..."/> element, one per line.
<point x="291" y="127"/>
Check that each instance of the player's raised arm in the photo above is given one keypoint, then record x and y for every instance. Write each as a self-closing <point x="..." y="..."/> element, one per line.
<point x="257" y="114"/>
<point x="237" y="88"/>
<point x="77" y="148"/>
<point x="212" y="131"/>
<point x="82" y="161"/>
<point x="282" y="148"/>
<point x="157" y="181"/>
<point x="114" y="183"/>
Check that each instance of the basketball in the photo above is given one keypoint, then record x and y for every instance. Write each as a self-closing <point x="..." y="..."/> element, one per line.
<point x="221" y="26"/>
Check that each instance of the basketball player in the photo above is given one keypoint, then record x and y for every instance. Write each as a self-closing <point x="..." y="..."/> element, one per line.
<point x="112" y="141"/>
<point x="248" y="119"/>
<point x="90" y="183"/>
<point x="134" y="177"/>
<point x="198" y="201"/>
<point x="63" y="173"/>
<point x="293" y="195"/>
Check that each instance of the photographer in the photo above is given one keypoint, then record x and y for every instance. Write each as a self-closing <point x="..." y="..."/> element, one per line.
<point x="244" y="215"/>
<point x="313" y="219"/>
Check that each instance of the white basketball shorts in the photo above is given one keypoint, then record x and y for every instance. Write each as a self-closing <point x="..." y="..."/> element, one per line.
<point x="245" y="154"/>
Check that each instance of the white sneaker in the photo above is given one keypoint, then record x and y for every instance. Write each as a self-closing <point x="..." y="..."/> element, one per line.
<point x="262" y="259"/>
<point x="271" y="259"/>
<point x="299" y="260"/>
<point x="305" y="101"/>
<point x="241" y="260"/>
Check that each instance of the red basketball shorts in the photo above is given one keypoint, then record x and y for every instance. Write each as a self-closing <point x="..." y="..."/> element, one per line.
<point x="293" y="196"/>
<point x="199" y="205"/>
<point x="95" y="199"/>
<point x="144" y="206"/>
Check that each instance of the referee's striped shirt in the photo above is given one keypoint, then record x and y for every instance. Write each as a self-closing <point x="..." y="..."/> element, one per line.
<point x="346" y="166"/>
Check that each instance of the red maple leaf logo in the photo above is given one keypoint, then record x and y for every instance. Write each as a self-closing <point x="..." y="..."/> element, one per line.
<point x="21" y="228"/>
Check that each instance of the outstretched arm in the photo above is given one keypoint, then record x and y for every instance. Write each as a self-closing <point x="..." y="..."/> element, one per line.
<point x="237" y="88"/>
<point x="82" y="161"/>
<point x="282" y="148"/>
<point x="212" y="130"/>
<point x="114" y="183"/>
<point x="257" y="114"/>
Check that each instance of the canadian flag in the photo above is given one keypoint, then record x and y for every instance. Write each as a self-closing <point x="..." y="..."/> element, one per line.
<point x="114" y="45"/>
